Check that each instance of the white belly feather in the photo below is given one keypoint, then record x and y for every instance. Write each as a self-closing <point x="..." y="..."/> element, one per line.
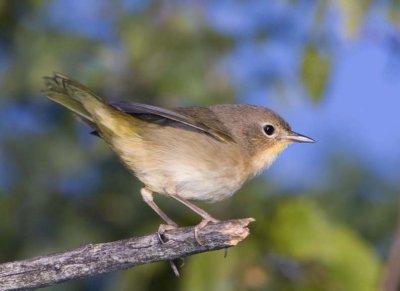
<point x="169" y="167"/>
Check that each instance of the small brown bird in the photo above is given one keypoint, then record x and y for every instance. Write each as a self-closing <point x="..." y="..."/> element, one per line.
<point x="187" y="153"/>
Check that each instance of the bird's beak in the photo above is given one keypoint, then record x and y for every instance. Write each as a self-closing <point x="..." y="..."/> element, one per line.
<point x="296" y="137"/>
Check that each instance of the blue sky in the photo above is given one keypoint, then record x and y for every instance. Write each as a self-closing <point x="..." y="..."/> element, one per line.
<point x="359" y="117"/>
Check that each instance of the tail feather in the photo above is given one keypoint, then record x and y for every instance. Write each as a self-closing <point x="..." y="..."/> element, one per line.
<point x="71" y="94"/>
<point x="90" y="108"/>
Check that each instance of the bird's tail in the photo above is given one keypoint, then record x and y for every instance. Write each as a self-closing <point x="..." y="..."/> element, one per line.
<point x="89" y="107"/>
<point x="71" y="94"/>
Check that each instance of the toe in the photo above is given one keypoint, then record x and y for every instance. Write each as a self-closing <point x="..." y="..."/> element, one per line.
<point x="201" y="225"/>
<point x="162" y="229"/>
<point x="196" y="236"/>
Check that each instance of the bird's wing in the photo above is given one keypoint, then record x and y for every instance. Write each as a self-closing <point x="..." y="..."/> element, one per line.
<point x="199" y="118"/>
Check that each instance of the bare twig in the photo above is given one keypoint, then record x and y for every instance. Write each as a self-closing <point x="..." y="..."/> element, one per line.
<point x="96" y="259"/>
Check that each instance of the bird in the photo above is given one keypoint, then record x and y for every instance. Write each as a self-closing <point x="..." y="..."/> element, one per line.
<point x="185" y="153"/>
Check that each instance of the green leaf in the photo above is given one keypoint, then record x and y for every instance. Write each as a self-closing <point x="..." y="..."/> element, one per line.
<point x="315" y="71"/>
<point x="342" y="259"/>
<point x="353" y="13"/>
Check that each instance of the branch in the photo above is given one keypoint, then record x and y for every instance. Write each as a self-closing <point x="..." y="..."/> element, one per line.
<point x="96" y="259"/>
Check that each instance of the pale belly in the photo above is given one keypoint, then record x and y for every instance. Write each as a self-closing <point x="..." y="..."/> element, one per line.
<point x="198" y="169"/>
<point x="192" y="183"/>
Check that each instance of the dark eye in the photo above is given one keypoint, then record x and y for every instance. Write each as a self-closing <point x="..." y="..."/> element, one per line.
<point x="269" y="130"/>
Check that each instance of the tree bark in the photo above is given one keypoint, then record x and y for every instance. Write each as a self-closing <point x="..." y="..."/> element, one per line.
<point x="94" y="259"/>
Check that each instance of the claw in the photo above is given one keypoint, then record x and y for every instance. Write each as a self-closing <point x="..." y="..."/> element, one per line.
<point x="174" y="268"/>
<point x="201" y="225"/>
<point x="176" y="265"/>
<point x="162" y="229"/>
<point x="225" y="252"/>
<point x="160" y="233"/>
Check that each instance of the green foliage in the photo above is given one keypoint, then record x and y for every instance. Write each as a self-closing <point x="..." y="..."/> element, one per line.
<point x="342" y="260"/>
<point x="178" y="60"/>
<point x="353" y="14"/>
<point x="315" y="71"/>
<point x="393" y="12"/>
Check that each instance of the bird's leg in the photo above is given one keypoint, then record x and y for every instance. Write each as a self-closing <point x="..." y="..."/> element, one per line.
<point x="207" y="218"/>
<point x="147" y="196"/>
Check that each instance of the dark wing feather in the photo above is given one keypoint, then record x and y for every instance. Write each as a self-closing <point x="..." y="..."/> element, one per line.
<point x="198" y="118"/>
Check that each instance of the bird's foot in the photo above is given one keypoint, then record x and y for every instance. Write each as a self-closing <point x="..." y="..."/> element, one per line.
<point x="201" y="225"/>
<point x="162" y="229"/>
<point x="177" y="263"/>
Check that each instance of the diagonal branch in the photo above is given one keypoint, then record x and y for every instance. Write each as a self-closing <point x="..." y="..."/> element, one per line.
<point x="96" y="259"/>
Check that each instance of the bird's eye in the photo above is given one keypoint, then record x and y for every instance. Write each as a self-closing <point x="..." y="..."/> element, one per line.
<point x="269" y="130"/>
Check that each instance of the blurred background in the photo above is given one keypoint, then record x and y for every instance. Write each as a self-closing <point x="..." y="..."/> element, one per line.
<point x="326" y="214"/>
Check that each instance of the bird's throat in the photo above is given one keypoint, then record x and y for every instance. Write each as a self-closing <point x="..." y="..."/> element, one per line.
<point x="264" y="159"/>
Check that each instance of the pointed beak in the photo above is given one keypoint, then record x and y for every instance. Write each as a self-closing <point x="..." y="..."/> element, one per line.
<point x="296" y="137"/>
